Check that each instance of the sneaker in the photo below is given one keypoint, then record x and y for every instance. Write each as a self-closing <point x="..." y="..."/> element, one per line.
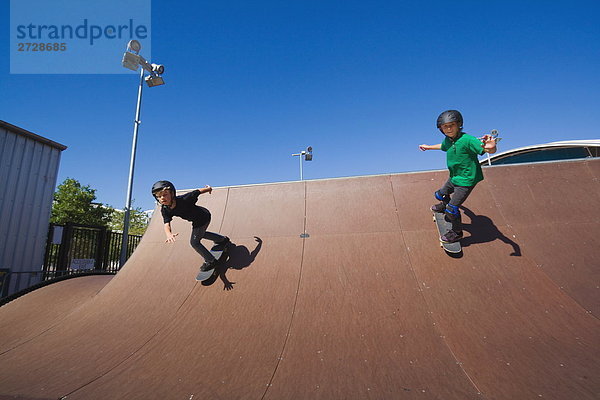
<point x="439" y="207"/>
<point x="451" y="236"/>
<point x="208" y="265"/>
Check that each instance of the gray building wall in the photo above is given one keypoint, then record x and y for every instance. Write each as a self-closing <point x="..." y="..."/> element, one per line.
<point x="28" y="172"/>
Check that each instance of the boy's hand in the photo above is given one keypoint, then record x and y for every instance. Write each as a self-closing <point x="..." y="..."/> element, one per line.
<point x="171" y="238"/>
<point x="488" y="142"/>
<point x="423" y="147"/>
<point x="208" y="189"/>
<point x="488" y="138"/>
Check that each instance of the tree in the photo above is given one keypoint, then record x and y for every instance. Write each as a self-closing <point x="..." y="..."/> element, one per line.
<point x="138" y="221"/>
<point x="74" y="203"/>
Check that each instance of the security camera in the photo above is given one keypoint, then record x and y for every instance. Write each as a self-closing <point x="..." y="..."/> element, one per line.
<point x="159" y="69"/>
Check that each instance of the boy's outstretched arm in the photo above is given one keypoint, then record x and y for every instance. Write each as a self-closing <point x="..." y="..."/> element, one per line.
<point x="206" y="189"/>
<point x="170" y="235"/>
<point x="424" y="147"/>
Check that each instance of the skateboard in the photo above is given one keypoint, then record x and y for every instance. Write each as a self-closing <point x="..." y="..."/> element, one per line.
<point x="443" y="227"/>
<point x="221" y="255"/>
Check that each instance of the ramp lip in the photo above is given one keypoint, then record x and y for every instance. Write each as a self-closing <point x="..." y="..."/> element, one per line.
<point x="320" y="179"/>
<point x="580" y="160"/>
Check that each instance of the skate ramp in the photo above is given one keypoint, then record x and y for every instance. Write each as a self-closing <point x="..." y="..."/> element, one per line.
<point x="46" y="307"/>
<point x="345" y="294"/>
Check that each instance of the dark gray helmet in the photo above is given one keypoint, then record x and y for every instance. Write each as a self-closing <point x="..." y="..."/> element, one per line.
<point x="450" y="116"/>
<point x="162" y="185"/>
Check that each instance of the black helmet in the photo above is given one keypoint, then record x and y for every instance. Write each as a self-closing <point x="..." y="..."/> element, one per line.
<point x="162" y="185"/>
<point x="450" y="116"/>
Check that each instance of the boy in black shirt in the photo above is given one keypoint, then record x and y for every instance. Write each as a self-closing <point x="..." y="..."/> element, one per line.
<point x="185" y="207"/>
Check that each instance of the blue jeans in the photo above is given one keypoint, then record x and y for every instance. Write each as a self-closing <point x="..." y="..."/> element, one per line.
<point x="199" y="233"/>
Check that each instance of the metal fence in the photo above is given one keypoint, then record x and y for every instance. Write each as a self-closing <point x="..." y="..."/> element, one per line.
<point x="73" y="247"/>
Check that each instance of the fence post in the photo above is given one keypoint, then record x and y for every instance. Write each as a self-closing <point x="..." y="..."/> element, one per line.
<point x="100" y="244"/>
<point x="4" y="281"/>
<point x="65" y="247"/>
<point x="48" y="250"/>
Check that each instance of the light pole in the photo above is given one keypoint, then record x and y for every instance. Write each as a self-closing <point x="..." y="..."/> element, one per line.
<point x="307" y="155"/>
<point x="133" y="60"/>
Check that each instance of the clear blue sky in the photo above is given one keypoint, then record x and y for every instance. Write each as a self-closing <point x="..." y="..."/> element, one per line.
<point x="250" y="83"/>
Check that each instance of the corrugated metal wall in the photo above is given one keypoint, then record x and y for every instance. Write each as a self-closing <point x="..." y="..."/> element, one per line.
<point x="28" y="172"/>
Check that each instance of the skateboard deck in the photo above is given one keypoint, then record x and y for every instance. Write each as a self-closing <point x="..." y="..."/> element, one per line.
<point x="221" y="256"/>
<point x="443" y="227"/>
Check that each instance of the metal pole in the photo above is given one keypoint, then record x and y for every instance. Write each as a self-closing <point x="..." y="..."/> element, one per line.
<point x="301" y="177"/>
<point x="136" y="125"/>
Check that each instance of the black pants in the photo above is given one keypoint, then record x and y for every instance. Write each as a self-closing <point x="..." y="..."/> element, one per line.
<point x="199" y="233"/>
<point x="458" y="195"/>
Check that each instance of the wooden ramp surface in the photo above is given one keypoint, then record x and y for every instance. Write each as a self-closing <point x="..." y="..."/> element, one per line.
<point x="338" y="289"/>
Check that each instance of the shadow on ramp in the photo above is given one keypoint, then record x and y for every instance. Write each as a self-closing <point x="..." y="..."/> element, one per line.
<point x="483" y="230"/>
<point x="240" y="257"/>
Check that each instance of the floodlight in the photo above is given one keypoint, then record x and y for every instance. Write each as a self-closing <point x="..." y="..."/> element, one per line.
<point x="130" y="61"/>
<point x="134" y="45"/>
<point x="154" y="80"/>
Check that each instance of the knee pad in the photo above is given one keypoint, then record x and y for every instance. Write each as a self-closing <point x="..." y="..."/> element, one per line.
<point x="452" y="212"/>
<point x="441" y="197"/>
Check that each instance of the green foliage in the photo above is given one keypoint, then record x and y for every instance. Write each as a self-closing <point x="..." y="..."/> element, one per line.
<point x="138" y="221"/>
<point x="74" y="203"/>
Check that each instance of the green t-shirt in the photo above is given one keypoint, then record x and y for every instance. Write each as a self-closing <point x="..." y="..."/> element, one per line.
<point x="461" y="157"/>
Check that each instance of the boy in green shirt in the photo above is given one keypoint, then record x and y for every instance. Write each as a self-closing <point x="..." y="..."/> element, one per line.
<point x="461" y="150"/>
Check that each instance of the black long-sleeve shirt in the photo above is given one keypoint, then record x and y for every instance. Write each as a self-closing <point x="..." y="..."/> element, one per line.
<point x="186" y="208"/>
